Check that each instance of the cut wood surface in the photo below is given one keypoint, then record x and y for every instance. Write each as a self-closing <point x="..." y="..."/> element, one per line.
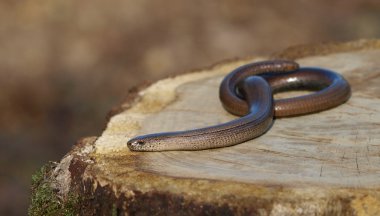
<point x="324" y="163"/>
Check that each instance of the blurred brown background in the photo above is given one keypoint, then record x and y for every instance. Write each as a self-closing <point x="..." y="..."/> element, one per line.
<point x="65" y="63"/>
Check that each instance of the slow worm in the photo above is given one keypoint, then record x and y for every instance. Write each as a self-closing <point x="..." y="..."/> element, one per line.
<point x="244" y="93"/>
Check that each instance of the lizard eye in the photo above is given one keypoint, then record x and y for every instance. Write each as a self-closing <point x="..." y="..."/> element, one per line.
<point x="140" y="142"/>
<point x="135" y="143"/>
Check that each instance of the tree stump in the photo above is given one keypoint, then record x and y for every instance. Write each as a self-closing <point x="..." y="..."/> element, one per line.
<point x="326" y="163"/>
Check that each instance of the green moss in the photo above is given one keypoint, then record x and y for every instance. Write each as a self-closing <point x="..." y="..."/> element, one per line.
<point x="114" y="210"/>
<point x="44" y="200"/>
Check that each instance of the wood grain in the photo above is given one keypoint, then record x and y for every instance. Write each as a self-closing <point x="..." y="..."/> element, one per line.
<point x="327" y="163"/>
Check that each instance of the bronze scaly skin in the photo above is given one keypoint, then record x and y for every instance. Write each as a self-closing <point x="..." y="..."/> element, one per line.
<point x="244" y="92"/>
<point x="260" y="98"/>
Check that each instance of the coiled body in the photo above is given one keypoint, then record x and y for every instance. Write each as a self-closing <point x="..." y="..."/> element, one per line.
<point x="248" y="91"/>
<point x="331" y="88"/>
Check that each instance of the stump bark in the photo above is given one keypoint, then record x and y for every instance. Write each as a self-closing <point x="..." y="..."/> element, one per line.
<point x="326" y="163"/>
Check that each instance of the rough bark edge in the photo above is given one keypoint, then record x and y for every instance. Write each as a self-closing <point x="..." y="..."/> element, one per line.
<point x="87" y="197"/>
<point x="166" y="203"/>
<point x="49" y="196"/>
